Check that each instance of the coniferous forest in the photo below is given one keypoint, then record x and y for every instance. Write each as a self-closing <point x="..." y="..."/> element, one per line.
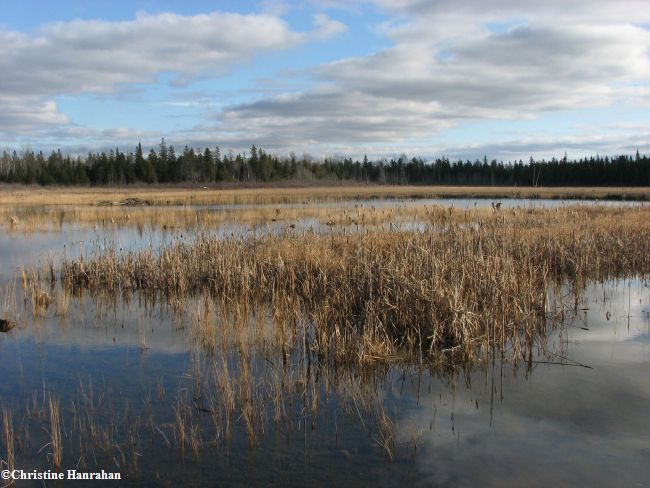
<point x="164" y="165"/>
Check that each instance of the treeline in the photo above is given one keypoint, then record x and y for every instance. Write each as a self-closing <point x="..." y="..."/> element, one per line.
<point x="210" y="166"/>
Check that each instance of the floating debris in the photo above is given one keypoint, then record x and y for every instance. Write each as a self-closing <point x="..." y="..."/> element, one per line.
<point x="131" y="201"/>
<point x="6" y="325"/>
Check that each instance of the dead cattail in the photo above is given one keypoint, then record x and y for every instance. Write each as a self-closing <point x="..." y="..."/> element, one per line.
<point x="393" y="294"/>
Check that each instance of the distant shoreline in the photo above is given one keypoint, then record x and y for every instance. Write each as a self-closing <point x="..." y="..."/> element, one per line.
<point x="294" y="192"/>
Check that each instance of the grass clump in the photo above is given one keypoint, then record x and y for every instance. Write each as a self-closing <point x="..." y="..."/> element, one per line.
<point x="389" y="294"/>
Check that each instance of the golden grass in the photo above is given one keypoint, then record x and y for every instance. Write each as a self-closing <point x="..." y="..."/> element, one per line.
<point x="165" y="195"/>
<point x="279" y="322"/>
<point x="55" y="444"/>
<point x="386" y="294"/>
<point x="187" y="217"/>
<point x="354" y="216"/>
<point x="8" y="428"/>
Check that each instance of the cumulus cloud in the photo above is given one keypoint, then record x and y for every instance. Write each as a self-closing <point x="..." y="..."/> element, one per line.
<point x="449" y="61"/>
<point x="27" y="115"/>
<point x="527" y="69"/>
<point x="453" y="61"/>
<point x="329" y="115"/>
<point x="101" y="57"/>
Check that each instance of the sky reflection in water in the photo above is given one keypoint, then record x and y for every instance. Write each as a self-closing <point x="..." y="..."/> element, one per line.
<point x="557" y="425"/>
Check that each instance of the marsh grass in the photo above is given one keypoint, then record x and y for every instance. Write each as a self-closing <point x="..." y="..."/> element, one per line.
<point x="8" y="428"/>
<point x="385" y="295"/>
<point x="9" y="309"/>
<point x="55" y="445"/>
<point x="280" y="324"/>
<point x="184" y="218"/>
<point x="385" y="432"/>
<point x="240" y="389"/>
<point x="161" y="195"/>
<point x="52" y="210"/>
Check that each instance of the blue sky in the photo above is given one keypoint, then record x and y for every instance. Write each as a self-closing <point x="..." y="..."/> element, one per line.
<point x="456" y="78"/>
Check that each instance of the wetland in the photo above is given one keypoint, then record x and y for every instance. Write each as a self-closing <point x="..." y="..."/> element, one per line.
<point x="318" y="337"/>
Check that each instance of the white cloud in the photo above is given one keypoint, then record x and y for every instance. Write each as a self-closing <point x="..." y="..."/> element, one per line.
<point x="528" y="69"/>
<point x="98" y="56"/>
<point x="326" y="27"/>
<point x="448" y="65"/>
<point x="82" y="56"/>
<point x="331" y="116"/>
<point x="450" y="61"/>
<point x="27" y="115"/>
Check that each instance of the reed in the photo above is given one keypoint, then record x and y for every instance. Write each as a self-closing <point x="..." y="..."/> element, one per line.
<point x="9" y="439"/>
<point x="62" y="304"/>
<point x="8" y="304"/>
<point x="385" y="432"/>
<point x="279" y="322"/>
<point x="180" y="426"/>
<point x="165" y="195"/>
<point x="55" y="444"/>
<point x="34" y="285"/>
<point x="387" y="295"/>
<point x="333" y="212"/>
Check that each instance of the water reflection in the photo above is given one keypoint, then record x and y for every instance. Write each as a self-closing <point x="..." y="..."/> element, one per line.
<point x="149" y="391"/>
<point x="493" y="425"/>
<point x="561" y="425"/>
<point x="58" y="232"/>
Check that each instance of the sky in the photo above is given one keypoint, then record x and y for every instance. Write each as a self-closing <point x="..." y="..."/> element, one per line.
<point x="506" y="79"/>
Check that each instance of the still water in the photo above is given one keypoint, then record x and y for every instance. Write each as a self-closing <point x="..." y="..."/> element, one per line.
<point x="130" y="369"/>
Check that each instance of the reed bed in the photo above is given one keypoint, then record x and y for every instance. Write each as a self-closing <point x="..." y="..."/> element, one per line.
<point x="353" y="210"/>
<point x="217" y="402"/>
<point x="457" y="286"/>
<point x="294" y="330"/>
<point x="165" y="195"/>
<point x="355" y="215"/>
<point x="191" y="217"/>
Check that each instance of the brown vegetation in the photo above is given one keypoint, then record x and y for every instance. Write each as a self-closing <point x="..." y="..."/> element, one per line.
<point x="279" y="322"/>
<point x="385" y="294"/>
<point x="169" y="195"/>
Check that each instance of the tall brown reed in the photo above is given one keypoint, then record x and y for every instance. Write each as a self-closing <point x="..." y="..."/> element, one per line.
<point x="9" y="438"/>
<point x="55" y="444"/>
<point x="385" y="295"/>
<point x="161" y="195"/>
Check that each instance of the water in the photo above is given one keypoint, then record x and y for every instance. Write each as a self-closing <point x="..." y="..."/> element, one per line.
<point x="56" y="241"/>
<point x="131" y="368"/>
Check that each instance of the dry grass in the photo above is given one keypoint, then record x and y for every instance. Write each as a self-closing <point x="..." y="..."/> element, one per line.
<point x="164" y="195"/>
<point x="8" y="428"/>
<point x="55" y="444"/>
<point x="189" y="217"/>
<point x="181" y="209"/>
<point x="382" y="295"/>
<point x="279" y="322"/>
<point x="34" y="284"/>
<point x="9" y="301"/>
